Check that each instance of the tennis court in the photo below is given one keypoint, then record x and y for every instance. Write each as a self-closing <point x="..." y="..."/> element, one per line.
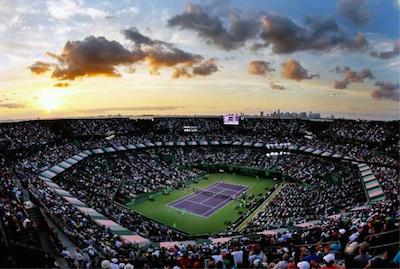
<point x="159" y="208"/>
<point x="206" y="202"/>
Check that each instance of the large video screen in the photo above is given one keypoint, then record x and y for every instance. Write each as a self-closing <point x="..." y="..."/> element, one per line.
<point x="231" y="119"/>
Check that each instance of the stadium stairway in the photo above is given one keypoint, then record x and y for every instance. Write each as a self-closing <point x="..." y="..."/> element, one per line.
<point x="44" y="243"/>
<point x="373" y="189"/>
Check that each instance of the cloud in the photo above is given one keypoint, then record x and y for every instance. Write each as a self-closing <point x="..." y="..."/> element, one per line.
<point x="158" y="57"/>
<point x="257" y="67"/>
<point x="159" y="53"/>
<point x="387" y="54"/>
<point x="293" y="70"/>
<point x="64" y="9"/>
<point x="135" y="36"/>
<point x="163" y="54"/>
<point x="130" y="70"/>
<point x="205" y="68"/>
<point x="355" y="11"/>
<point x="181" y="72"/>
<point x="9" y="105"/>
<point x="358" y="43"/>
<point x="211" y="27"/>
<point x="256" y="46"/>
<point x="40" y="67"/>
<point x="285" y="36"/>
<point x="386" y="91"/>
<point x="62" y="85"/>
<point x="275" y="86"/>
<point x="92" y="57"/>
<point x="350" y="75"/>
<point x="341" y="84"/>
<point x="96" y="56"/>
<point x="354" y="76"/>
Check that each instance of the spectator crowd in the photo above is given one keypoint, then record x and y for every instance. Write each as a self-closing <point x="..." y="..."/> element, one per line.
<point x="324" y="198"/>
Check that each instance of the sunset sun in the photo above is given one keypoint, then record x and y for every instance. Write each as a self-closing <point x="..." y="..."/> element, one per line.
<point x="50" y="100"/>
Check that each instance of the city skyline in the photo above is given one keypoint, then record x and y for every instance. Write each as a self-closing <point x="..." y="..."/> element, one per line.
<point x="76" y="58"/>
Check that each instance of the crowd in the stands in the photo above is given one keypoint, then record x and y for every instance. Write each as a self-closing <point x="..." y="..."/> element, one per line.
<point x="363" y="131"/>
<point x="102" y="127"/>
<point x="389" y="180"/>
<point x="12" y="211"/>
<point x="97" y="180"/>
<point x="345" y="242"/>
<point x="323" y="195"/>
<point x="20" y="135"/>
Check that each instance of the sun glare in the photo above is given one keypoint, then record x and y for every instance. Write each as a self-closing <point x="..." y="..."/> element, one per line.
<point x="50" y="100"/>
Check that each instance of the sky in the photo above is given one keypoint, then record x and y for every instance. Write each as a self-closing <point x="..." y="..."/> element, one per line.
<point x="77" y="58"/>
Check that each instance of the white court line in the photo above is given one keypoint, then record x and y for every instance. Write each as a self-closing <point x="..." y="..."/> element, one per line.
<point x="186" y="211"/>
<point x="216" y="207"/>
<point x="214" y="195"/>
<point x="186" y="198"/>
<point x="205" y="191"/>
<point x="219" y="182"/>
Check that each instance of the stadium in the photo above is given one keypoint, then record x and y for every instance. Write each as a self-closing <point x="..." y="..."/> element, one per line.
<point x="107" y="187"/>
<point x="215" y="134"/>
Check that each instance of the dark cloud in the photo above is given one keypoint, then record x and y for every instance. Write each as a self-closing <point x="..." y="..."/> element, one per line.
<point x="341" y="84"/>
<point x="256" y="46"/>
<point x="358" y="43"/>
<point x="40" y="67"/>
<point x="285" y="36"/>
<point x="205" y="68"/>
<point x="168" y="57"/>
<point x="293" y="70"/>
<point x="350" y="75"/>
<point x="135" y="36"/>
<point x="62" y="85"/>
<point x="387" y="54"/>
<point x="92" y="57"/>
<point x="163" y="54"/>
<point x="354" y="76"/>
<point x="257" y="67"/>
<point x="98" y="56"/>
<point x="355" y="11"/>
<point x="275" y="86"/>
<point x="386" y="91"/>
<point x="211" y="27"/>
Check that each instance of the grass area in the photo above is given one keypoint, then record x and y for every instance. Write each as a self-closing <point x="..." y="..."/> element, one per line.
<point x="159" y="210"/>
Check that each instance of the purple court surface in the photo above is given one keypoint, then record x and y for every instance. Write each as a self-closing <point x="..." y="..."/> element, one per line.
<point x="206" y="202"/>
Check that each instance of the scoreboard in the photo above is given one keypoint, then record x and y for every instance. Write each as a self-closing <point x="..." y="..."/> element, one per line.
<point x="231" y="119"/>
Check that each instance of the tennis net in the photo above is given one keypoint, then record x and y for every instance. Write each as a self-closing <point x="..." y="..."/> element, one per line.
<point x="217" y="194"/>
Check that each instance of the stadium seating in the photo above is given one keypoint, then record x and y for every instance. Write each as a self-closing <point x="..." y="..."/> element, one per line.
<point x="76" y="173"/>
